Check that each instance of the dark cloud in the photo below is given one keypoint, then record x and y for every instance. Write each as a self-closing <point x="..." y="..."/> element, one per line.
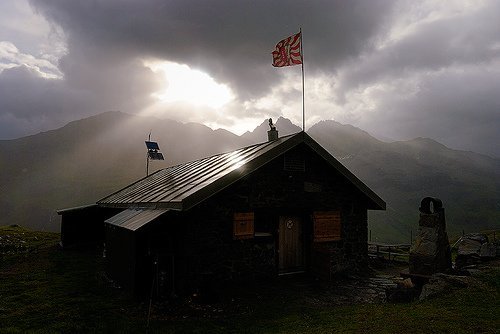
<point x="457" y="40"/>
<point x="399" y="69"/>
<point x="26" y="98"/>
<point x="231" y="40"/>
<point x="459" y="109"/>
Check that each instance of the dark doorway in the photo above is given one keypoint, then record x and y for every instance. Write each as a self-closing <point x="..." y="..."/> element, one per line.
<point x="291" y="248"/>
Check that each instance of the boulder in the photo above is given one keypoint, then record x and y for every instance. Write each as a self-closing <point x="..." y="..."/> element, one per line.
<point x="488" y="250"/>
<point x="472" y="248"/>
<point x="468" y="247"/>
<point x="440" y="283"/>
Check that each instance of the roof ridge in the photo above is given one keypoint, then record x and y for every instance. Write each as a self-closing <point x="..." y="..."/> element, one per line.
<point x="227" y="152"/>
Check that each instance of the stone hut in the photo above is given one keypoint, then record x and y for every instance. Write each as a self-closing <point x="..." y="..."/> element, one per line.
<point x="281" y="207"/>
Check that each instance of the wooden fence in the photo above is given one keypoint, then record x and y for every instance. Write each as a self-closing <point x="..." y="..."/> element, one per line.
<point x="391" y="252"/>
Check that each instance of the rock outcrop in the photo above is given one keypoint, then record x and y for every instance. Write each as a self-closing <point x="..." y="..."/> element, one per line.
<point x="431" y="252"/>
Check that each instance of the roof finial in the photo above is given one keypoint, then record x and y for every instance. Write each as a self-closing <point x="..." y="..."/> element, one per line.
<point x="271" y="125"/>
<point x="273" y="133"/>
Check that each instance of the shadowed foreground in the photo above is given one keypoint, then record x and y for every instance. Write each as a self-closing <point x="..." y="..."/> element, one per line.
<point x="45" y="289"/>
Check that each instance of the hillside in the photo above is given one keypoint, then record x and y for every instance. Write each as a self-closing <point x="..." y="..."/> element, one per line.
<point x="90" y="158"/>
<point x="87" y="159"/>
<point x="404" y="172"/>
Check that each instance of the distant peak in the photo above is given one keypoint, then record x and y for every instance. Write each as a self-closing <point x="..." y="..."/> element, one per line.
<point x="334" y="125"/>
<point x="425" y="141"/>
<point x="283" y="119"/>
<point x="283" y="125"/>
<point x="285" y="122"/>
<point x="328" y="121"/>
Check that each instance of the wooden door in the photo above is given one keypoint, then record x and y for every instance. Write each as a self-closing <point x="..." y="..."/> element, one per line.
<point x="291" y="250"/>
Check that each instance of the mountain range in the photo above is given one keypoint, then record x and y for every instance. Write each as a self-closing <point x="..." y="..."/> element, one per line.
<point x="87" y="159"/>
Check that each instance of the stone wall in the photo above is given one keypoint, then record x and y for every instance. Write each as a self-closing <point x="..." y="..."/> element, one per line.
<point x="205" y="243"/>
<point x="350" y="254"/>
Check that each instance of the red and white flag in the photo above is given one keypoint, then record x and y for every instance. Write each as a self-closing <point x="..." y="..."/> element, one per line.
<point x="287" y="52"/>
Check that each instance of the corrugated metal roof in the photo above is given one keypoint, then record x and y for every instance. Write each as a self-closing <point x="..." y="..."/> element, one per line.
<point x="134" y="219"/>
<point x="183" y="186"/>
<point x="170" y="186"/>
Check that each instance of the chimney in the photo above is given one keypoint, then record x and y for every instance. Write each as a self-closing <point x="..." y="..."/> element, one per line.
<point x="273" y="133"/>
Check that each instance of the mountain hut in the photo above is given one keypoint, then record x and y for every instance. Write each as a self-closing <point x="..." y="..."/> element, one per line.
<point x="281" y="207"/>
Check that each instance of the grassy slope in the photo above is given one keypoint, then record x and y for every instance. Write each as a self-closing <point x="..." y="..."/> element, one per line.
<point x="44" y="289"/>
<point x="404" y="172"/>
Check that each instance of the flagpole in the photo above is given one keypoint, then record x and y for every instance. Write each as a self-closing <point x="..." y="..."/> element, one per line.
<point x="303" y="95"/>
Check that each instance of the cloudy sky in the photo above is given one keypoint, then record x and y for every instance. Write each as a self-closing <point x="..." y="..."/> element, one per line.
<point x="397" y="69"/>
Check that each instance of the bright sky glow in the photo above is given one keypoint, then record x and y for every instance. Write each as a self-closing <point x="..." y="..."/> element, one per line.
<point x="183" y="84"/>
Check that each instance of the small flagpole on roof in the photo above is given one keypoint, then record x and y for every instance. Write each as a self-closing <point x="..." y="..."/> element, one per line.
<point x="303" y="91"/>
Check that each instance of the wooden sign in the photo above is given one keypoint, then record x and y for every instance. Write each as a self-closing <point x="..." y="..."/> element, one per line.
<point x="243" y="225"/>
<point x="327" y="226"/>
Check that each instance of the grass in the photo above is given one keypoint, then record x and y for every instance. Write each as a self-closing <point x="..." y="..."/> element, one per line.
<point x="46" y="290"/>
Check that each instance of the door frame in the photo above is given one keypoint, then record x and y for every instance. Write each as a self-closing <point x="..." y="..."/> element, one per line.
<point x="298" y="239"/>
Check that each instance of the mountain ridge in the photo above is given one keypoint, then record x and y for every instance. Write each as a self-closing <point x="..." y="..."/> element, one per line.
<point x="90" y="158"/>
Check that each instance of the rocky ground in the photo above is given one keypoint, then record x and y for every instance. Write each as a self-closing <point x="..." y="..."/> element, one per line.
<point x="378" y="286"/>
<point x="15" y="240"/>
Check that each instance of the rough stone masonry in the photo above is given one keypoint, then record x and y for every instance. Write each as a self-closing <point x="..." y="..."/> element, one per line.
<point x="431" y="252"/>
